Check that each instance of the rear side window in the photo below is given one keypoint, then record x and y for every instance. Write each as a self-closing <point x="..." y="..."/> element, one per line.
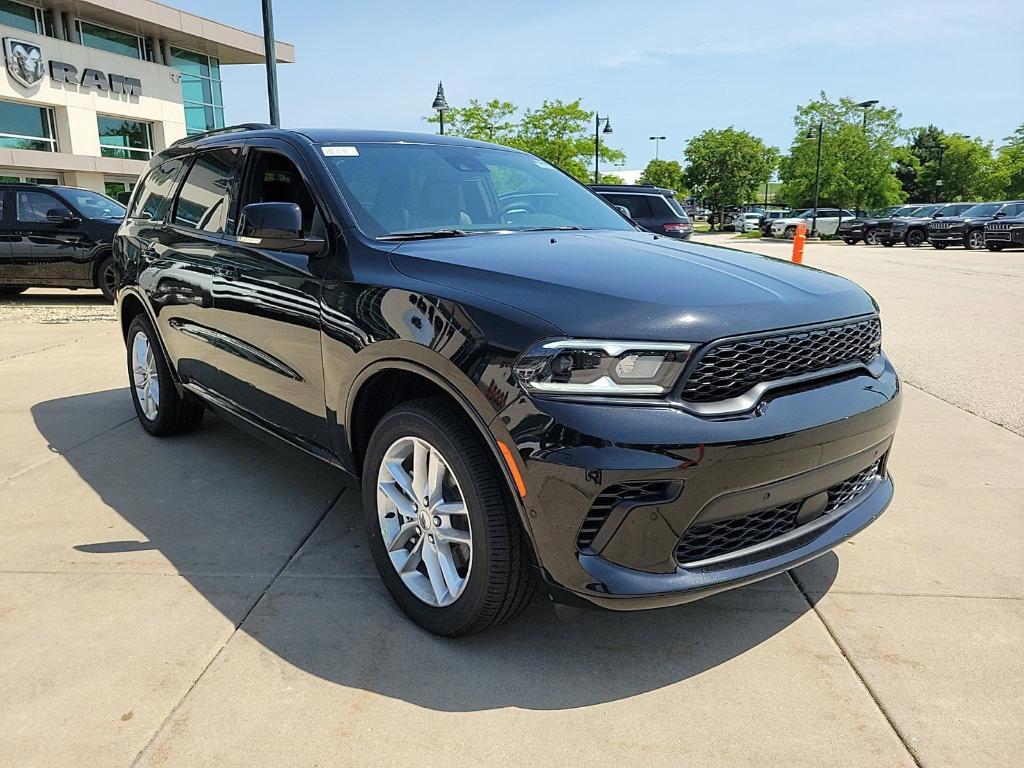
<point x="635" y="204"/>
<point x="660" y="207"/>
<point x="204" y="202"/>
<point x="153" y="200"/>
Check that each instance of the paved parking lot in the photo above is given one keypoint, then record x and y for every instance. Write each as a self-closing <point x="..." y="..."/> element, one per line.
<point x="207" y="600"/>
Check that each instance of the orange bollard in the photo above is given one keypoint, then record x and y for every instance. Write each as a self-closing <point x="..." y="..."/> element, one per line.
<point x="798" y="243"/>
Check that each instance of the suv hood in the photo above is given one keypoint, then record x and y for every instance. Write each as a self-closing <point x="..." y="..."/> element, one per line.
<point x="632" y="285"/>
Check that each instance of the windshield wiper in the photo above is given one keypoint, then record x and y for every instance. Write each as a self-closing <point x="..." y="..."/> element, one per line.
<point x="562" y="228"/>
<point x="424" y="234"/>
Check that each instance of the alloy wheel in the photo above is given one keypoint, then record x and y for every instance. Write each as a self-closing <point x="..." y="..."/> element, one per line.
<point x="424" y="521"/>
<point x="976" y="240"/>
<point x="871" y="238"/>
<point x="109" y="280"/>
<point x="145" y="376"/>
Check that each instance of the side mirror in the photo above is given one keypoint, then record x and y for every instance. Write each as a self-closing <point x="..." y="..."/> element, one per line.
<point x="60" y="216"/>
<point x="276" y="227"/>
<point x="998" y="214"/>
<point x="624" y="211"/>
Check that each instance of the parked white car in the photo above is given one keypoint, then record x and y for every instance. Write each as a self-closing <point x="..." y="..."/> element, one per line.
<point x="827" y="223"/>
<point x="747" y="222"/>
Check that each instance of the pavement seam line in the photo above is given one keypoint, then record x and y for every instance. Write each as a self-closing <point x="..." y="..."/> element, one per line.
<point x="920" y="388"/>
<point x="67" y="450"/>
<point x="290" y="559"/>
<point x="40" y="349"/>
<point x="853" y="667"/>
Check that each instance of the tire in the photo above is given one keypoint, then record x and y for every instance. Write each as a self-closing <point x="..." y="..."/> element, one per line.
<point x="790" y="233"/>
<point x="914" y="238"/>
<point x="870" y="238"/>
<point x="975" y="240"/>
<point x="850" y="240"/>
<point x="995" y="246"/>
<point x="888" y="243"/>
<point x="12" y="290"/>
<point x="163" y="412"/>
<point x="940" y="246"/>
<point x="106" y="277"/>
<point x="492" y="581"/>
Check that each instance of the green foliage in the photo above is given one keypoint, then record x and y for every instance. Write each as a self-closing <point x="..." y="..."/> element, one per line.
<point x="967" y="172"/>
<point x="611" y="178"/>
<point x="664" y="173"/>
<point x="727" y="166"/>
<point x="560" y="132"/>
<point x="1009" y="171"/>
<point x="857" y="160"/>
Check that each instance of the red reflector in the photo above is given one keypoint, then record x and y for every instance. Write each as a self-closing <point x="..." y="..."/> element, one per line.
<point x="676" y="227"/>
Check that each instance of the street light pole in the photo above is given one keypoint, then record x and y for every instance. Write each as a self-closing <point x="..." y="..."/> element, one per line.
<point x="271" y="59"/>
<point x="440" y="104"/>
<point x="865" y="105"/>
<point x="817" y="181"/>
<point x="597" y="142"/>
<point x="657" y="142"/>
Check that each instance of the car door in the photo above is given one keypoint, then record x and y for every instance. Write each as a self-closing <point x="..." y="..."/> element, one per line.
<point x="267" y="306"/>
<point x="178" y="230"/>
<point x="828" y="221"/>
<point x="48" y="245"/>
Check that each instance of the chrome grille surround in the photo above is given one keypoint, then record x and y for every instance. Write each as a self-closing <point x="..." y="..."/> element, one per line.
<point x="728" y="370"/>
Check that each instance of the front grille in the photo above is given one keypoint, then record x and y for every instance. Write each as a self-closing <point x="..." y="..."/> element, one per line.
<point x="707" y="540"/>
<point x="640" y="492"/>
<point x="731" y="368"/>
<point x="1000" y="226"/>
<point x="943" y="225"/>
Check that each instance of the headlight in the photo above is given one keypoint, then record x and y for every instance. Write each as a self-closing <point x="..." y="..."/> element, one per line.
<point x="587" y="367"/>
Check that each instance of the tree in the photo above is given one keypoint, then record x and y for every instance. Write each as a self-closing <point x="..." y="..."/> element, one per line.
<point x="925" y="147"/>
<point x="664" y="173"/>
<point x="857" y="157"/>
<point x="727" y="166"/>
<point x="1009" y="170"/>
<point x="967" y="172"/>
<point x="559" y="132"/>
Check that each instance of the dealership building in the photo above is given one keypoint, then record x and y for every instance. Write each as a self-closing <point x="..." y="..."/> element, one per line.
<point x="92" y="89"/>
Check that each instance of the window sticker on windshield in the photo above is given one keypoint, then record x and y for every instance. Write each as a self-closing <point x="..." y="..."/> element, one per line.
<point x="340" y="151"/>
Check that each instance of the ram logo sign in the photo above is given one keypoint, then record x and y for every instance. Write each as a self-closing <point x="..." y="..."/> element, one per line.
<point x="26" y="66"/>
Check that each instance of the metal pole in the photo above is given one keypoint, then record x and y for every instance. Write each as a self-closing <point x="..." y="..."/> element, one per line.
<point x="597" y="147"/>
<point x="440" y="114"/>
<point x="271" y="58"/>
<point x="657" y="146"/>
<point x="817" y="181"/>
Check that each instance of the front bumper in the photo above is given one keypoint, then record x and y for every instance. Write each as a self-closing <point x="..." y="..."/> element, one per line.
<point x="793" y="447"/>
<point x="1013" y="238"/>
<point x="946" y="236"/>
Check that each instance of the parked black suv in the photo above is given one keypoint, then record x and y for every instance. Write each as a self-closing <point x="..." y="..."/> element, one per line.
<point x="912" y="230"/>
<point x="852" y="231"/>
<point x="56" y="237"/>
<point x="653" y="208"/>
<point x="527" y="397"/>
<point x="1005" y="233"/>
<point x="968" y="229"/>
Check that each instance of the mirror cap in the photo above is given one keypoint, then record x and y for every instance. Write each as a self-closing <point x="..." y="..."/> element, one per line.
<point x="275" y="221"/>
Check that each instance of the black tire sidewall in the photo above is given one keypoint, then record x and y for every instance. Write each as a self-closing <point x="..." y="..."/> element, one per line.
<point x="168" y="394"/>
<point x="405" y="421"/>
<point x="107" y="263"/>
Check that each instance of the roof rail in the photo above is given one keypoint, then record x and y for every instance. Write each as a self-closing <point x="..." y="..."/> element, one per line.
<point x="226" y="129"/>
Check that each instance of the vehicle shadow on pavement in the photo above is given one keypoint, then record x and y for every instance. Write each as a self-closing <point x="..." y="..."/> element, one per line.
<point x="219" y="503"/>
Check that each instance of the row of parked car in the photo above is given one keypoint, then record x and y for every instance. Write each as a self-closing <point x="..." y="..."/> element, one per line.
<point x="992" y="225"/>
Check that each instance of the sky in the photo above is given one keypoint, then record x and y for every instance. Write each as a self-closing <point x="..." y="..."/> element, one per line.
<point x="668" y="69"/>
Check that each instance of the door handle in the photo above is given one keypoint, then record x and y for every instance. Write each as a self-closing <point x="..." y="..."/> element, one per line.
<point x="228" y="272"/>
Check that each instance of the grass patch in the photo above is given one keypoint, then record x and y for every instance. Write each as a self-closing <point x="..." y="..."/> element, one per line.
<point x="701" y="226"/>
<point x="749" y="235"/>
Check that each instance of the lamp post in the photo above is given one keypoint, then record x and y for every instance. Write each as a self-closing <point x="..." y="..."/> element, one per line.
<point x="597" y="142"/>
<point x="942" y="150"/>
<point x="440" y="105"/>
<point x="657" y="142"/>
<point x="817" y="175"/>
<point x="866" y="105"/>
<point x="271" y="60"/>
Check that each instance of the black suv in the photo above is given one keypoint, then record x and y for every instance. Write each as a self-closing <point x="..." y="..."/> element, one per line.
<point x="56" y="237"/>
<point x="968" y="229"/>
<point x="1005" y="233"/>
<point x="653" y="208"/>
<point x="912" y="230"/>
<point x="526" y="397"/>
<point x="852" y="231"/>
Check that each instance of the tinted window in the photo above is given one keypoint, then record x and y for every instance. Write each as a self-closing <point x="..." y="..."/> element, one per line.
<point x="203" y="202"/>
<point x="395" y="188"/>
<point x="637" y="205"/>
<point x="275" y="179"/>
<point x="154" y="198"/>
<point x="982" y="209"/>
<point x="93" y="205"/>
<point x="1013" y="209"/>
<point x="33" y="206"/>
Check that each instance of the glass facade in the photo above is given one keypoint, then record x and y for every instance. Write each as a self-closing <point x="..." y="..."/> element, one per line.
<point x="26" y="17"/>
<point x="123" y="138"/>
<point x="111" y="40"/>
<point x="201" y="90"/>
<point x="23" y="126"/>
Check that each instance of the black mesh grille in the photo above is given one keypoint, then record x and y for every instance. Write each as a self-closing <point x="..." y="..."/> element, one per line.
<point x="651" y="492"/>
<point x="730" y="368"/>
<point x="706" y="540"/>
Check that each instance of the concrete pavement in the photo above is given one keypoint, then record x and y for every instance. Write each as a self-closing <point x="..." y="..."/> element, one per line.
<point x="208" y="600"/>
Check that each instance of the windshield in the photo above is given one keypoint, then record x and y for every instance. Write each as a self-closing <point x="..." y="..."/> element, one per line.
<point x="396" y="189"/>
<point x="927" y="210"/>
<point x="906" y="210"/>
<point x="93" y="205"/>
<point x="985" y="209"/>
